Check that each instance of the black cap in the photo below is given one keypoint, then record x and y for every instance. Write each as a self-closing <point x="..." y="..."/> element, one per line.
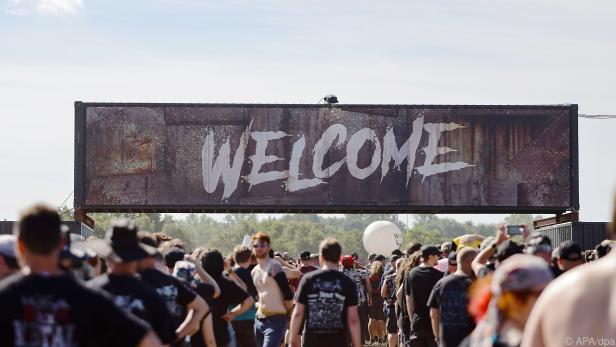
<point x="602" y="249"/>
<point x="379" y="258"/>
<point x="538" y="238"/>
<point x="147" y="239"/>
<point x="507" y="249"/>
<point x="397" y="252"/>
<point x="570" y="251"/>
<point x="305" y="255"/>
<point x="428" y="250"/>
<point x="121" y="243"/>
<point x="538" y="242"/>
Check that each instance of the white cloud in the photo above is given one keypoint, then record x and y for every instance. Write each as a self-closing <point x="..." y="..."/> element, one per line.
<point x="49" y="7"/>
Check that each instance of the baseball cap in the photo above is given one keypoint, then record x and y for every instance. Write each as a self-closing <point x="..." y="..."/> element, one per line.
<point x="305" y="255"/>
<point x="538" y="243"/>
<point x="507" y="249"/>
<point x="604" y="248"/>
<point x="122" y="243"/>
<point x="521" y="272"/>
<point x="397" y="252"/>
<point x="428" y="250"/>
<point x="446" y="247"/>
<point x="570" y="251"/>
<point x="379" y="258"/>
<point x="76" y="248"/>
<point x="7" y="245"/>
<point x="347" y="260"/>
<point x="147" y="239"/>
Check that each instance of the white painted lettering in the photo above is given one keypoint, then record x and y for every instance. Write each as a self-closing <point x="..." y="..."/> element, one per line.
<point x="294" y="183"/>
<point x="355" y="144"/>
<point x="433" y="150"/>
<point x="221" y="168"/>
<point x="407" y="151"/>
<point x="259" y="158"/>
<point x="217" y="168"/>
<point x="336" y="132"/>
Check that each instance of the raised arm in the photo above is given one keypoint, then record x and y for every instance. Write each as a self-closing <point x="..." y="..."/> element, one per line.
<point x="197" y="309"/>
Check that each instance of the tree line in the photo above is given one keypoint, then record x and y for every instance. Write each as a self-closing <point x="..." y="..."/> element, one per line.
<point x="295" y="233"/>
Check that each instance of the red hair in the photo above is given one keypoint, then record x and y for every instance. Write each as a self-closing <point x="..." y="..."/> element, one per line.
<point x="262" y="237"/>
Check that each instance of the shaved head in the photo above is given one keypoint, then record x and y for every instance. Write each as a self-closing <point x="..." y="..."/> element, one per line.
<point x="465" y="257"/>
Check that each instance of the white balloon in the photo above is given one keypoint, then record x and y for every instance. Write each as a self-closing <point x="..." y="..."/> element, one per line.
<point x="382" y="237"/>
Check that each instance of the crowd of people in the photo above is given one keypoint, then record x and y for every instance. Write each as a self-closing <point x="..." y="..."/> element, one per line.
<point x="138" y="288"/>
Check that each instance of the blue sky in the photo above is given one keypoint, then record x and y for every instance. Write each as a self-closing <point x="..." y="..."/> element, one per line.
<point x="53" y="52"/>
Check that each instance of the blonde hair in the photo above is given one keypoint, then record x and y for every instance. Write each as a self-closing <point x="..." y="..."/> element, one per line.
<point x="377" y="268"/>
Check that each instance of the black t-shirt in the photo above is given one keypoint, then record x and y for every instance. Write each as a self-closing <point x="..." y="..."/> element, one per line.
<point x="176" y="294"/>
<point x="450" y="297"/>
<point x="205" y="291"/>
<point x="230" y="296"/>
<point x="419" y="283"/>
<point x="244" y="275"/>
<point x="38" y="310"/>
<point x="304" y="269"/>
<point x="136" y="297"/>
<point x="556" y="271"/>
<point x="326" y="294"/>
<point x="486" y="270"/>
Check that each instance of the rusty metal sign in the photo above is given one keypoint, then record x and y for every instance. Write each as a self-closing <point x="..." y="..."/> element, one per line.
<point x="317" y="158"/>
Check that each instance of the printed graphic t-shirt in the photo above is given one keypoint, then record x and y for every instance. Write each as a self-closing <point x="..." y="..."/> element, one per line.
<point x="176" y="294"/>
<point x="326" y="294"/>
<point x="358" y="277"/>
<point x="390" y="282"/>
<point x="136" y="297"/>
<point x="41" y="311"/>
<point x="450" y="297"/>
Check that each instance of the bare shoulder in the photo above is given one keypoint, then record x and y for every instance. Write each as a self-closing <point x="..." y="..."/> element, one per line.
<point x="589" y="286"/>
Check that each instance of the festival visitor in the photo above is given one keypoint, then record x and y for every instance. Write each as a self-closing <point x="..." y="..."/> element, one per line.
<point x="326" y="304"/>
<point x="42" y="302"/>
<point x="275" y="296"/>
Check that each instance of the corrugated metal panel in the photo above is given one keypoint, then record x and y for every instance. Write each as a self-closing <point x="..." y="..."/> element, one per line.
<point x="85" y="230"/>
<point x="558" y="233"/>
<point x="590" y="234"/>
<point x="6" y="227"/>
<point x="586" y="234"/>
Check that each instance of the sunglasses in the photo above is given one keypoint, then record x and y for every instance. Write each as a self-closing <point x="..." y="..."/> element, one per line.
<point x="260" y="245"/>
